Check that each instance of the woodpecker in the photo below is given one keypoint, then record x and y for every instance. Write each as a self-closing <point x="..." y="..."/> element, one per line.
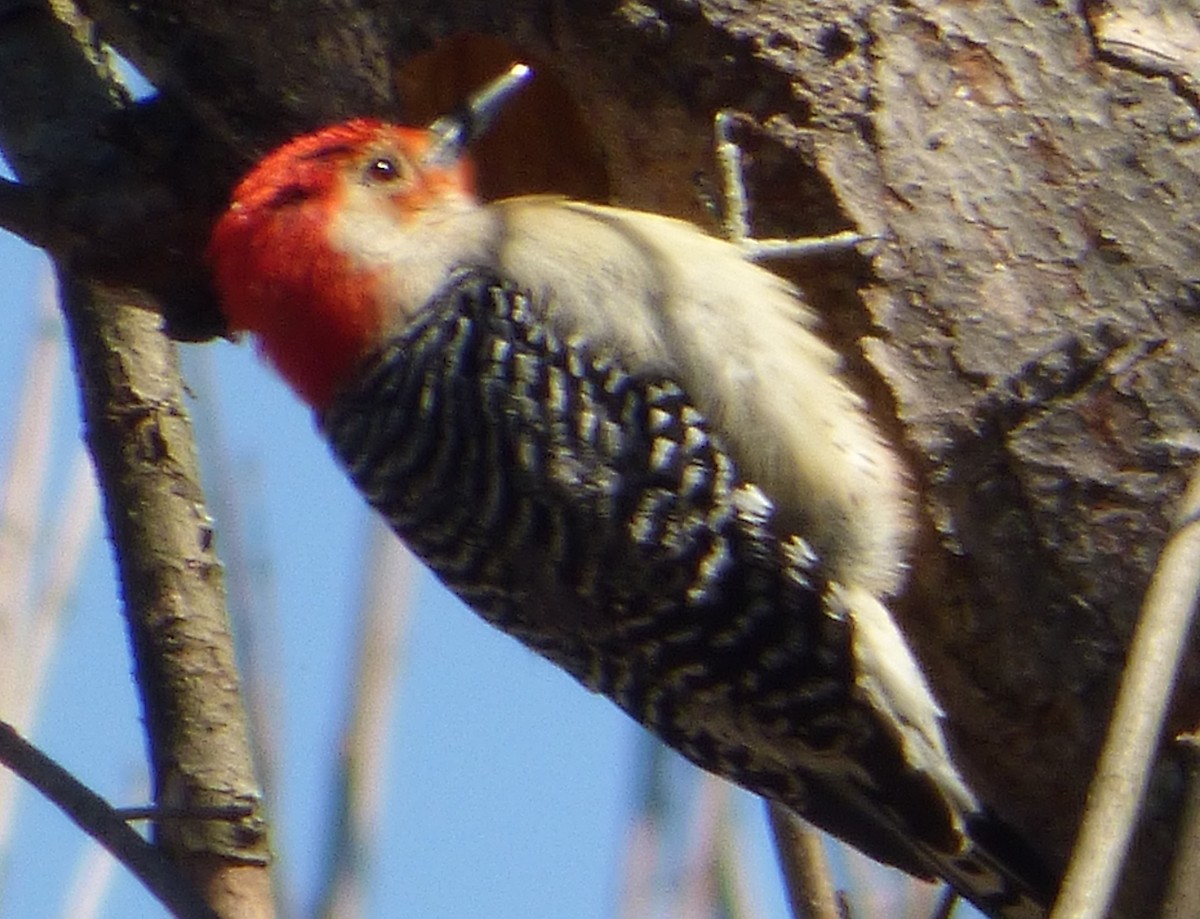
<point x="621" y="442"/>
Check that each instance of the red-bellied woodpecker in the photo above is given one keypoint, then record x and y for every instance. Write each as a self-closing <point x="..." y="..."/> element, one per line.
<point x="619" y="441"/>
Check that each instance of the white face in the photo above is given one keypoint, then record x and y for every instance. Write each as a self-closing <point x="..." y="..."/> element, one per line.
<point x="405" y="228"/>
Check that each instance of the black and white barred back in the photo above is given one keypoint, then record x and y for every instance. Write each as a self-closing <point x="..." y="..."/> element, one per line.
<point x="593" y="514"/>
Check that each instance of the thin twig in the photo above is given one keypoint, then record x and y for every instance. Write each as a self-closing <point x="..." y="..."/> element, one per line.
<point x="1183" y="888"/>
<point x="227" y="812"/>
<point x="1124" y="767"/>
<point x="805" y="869"/>
<point x="697" y="892"/>
<point x="735" y="893"/>
<point x="926" y="900"/>
<point x="91" y="883"/>
<point x="70" y="537"/>
<point x="644" y="838"/>
<point x="94" y="816"/>
<point x="945" y="904"/>
<point x="94" y="875"/>
<point x="22" y="488"/>
<point x="21" y="497"/>
<point x="362" y="769"/>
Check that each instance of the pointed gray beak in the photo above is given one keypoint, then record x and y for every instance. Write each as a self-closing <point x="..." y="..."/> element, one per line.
<point x="455" y="132"/>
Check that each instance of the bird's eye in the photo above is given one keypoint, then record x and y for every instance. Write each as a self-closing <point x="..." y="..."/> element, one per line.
<point x="383" y="169"/>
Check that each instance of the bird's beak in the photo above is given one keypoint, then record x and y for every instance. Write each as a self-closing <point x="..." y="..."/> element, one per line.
<point x="455" y="132"/>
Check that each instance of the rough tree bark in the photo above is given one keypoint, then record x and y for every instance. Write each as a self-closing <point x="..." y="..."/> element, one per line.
<point x="1024" y="325"/>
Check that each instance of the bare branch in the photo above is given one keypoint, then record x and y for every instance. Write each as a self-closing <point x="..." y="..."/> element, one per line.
<point x="1137" y="721"/>
<point x="945" y="904"/>
<point x="361" y="769"/>
<point x="54" y="108"/>
<point x="140" y="439"/>
<point x="1183" y="889"/>
<point x="806" y="875"/>
<point x="21" y="495"/>
<point x="94" y="816"/>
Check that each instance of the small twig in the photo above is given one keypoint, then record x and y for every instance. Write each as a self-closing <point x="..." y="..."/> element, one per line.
<point x="22" y="487"/>
<point x="93" y="877"/>
<point x="362" y="764"/>
<point x="643" y="843"/>
<point x="802" y="860"/>
<point x="94" y="816"/>
<point x="736" y="209"/>
<point x="735" y="895"/>
<point x="757" y="250"/>
<point x="199" y="812"/>
<point x="946" y="903"/>
<point x="1183" y="888"/>
<point x="1129" y="751"/>
<point x="698" y="893"/>
<point x="92" y="882"/>
<point x="70" y="537"/>
<point x="729" y="158"/>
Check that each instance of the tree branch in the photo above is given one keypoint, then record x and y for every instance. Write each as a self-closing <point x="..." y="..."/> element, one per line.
<point x="1137" y="721"/>
<point x="96" y="817"/>
<point x="805" y="870"/>
<point x="361" y="774"/>
<point x="54" y="111"/>
<point x="1183" y="890"/>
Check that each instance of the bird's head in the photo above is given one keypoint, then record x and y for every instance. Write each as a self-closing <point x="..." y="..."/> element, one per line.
<point x="295" y="255"/>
